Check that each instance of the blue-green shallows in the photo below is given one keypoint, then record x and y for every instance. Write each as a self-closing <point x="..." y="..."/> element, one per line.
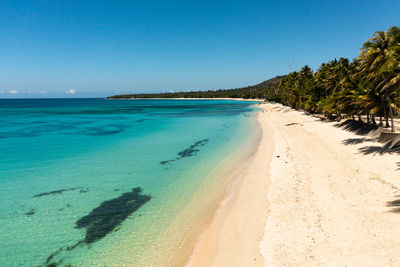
<point x="93" y="182"/>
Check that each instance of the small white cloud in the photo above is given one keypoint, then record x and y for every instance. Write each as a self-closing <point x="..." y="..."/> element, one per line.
<point x="42" y="92"/>
<point x="70" y="92"/>
<point x="13" y="92"/>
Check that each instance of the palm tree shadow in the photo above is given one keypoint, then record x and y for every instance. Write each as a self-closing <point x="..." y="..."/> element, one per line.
<point x="278" y="109"/>
<point x="395" y="144"/>
<point x="389" y="147"/>
<point x="357" y="127"/>
<point x="377" y="149"/>
<point x="355" y="141"/>
<point x="394" y="205"/>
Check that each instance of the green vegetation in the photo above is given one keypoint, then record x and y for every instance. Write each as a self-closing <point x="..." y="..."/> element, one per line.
<point x="369" y="85"/>
<point x="261" y="91"/>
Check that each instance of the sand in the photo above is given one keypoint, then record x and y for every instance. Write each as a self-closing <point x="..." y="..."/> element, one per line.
<point x="234" y="235"/>
<point x="314" y="194"/>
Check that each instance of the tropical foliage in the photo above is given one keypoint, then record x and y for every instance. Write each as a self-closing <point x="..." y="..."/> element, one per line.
<point x="369" y="85"/>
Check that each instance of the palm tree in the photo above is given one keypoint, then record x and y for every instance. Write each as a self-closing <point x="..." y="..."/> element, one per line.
<point x="380" y="63"/>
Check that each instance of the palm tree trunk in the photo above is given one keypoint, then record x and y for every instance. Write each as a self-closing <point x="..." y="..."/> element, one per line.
<point x="380" y="120"/>
<point x="386" y="116"/>
<point x="359" y="118"/>
<point x="373" y="119"/>
<point x="367" y="118"/>
<point x="352" y="117"/>
<point x="391" y="115"/>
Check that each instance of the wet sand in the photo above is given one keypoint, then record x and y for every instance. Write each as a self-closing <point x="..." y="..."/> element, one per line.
<point x="234" y="235"/>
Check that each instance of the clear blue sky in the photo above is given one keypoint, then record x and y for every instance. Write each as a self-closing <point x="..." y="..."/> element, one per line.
<point x="98" y="48"/>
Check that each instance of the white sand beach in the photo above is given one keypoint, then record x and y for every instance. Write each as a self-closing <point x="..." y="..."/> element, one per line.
<point x="314" y="194"/>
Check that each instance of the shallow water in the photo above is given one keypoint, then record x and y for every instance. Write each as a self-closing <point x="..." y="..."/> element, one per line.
<point x="88" y="181"/>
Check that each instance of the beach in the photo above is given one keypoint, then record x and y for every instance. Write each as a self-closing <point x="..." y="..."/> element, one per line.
<point x="217" y="182"/>
<point x="199" y="134"/>
<point x="313" y="194"/>
<point x="239" y="224"/>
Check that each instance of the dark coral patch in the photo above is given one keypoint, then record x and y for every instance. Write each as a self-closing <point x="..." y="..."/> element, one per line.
<point x="165" y="162"/>
<point x="110" y="214"/>
<point x="60" y="191"/>
<point x="30" y="213"/>
<point x="103" y="220"/>
<point x="51" y="257"/>
<point x="192" y="150"/>
<point x="188" y="152"/>
<point x="104" y="130"/>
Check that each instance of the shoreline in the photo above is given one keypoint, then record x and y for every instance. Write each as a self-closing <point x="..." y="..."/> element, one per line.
<point x="177" y="241"/>
<point x="226" y="242"/>
<point x="314" y="194"/>
<point x="193" y="98"/>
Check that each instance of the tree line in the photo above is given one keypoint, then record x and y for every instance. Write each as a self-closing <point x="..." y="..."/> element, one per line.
<point x="368" y="85"/>
<point x="259" y="91"/>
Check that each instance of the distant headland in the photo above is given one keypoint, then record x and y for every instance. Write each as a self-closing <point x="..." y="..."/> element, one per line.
<point x="258" y="91"/>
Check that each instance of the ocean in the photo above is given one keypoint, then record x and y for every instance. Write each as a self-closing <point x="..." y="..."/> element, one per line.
<point x="95" y="182"/>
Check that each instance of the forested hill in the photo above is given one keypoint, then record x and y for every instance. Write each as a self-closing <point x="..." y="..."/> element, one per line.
<point x="266" y="89"/>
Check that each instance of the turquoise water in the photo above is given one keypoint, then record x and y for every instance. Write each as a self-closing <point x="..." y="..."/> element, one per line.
<point x="88" y="181"/>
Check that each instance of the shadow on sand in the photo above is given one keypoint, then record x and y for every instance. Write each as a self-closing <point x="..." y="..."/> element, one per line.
<point x="394" y="205"/>
<point x="357" y="127"/>
<point x="360" y="128"/>
<point x="377" y="149"/>
<point x="356" y="141"/>
<point x="390" y="147"/>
